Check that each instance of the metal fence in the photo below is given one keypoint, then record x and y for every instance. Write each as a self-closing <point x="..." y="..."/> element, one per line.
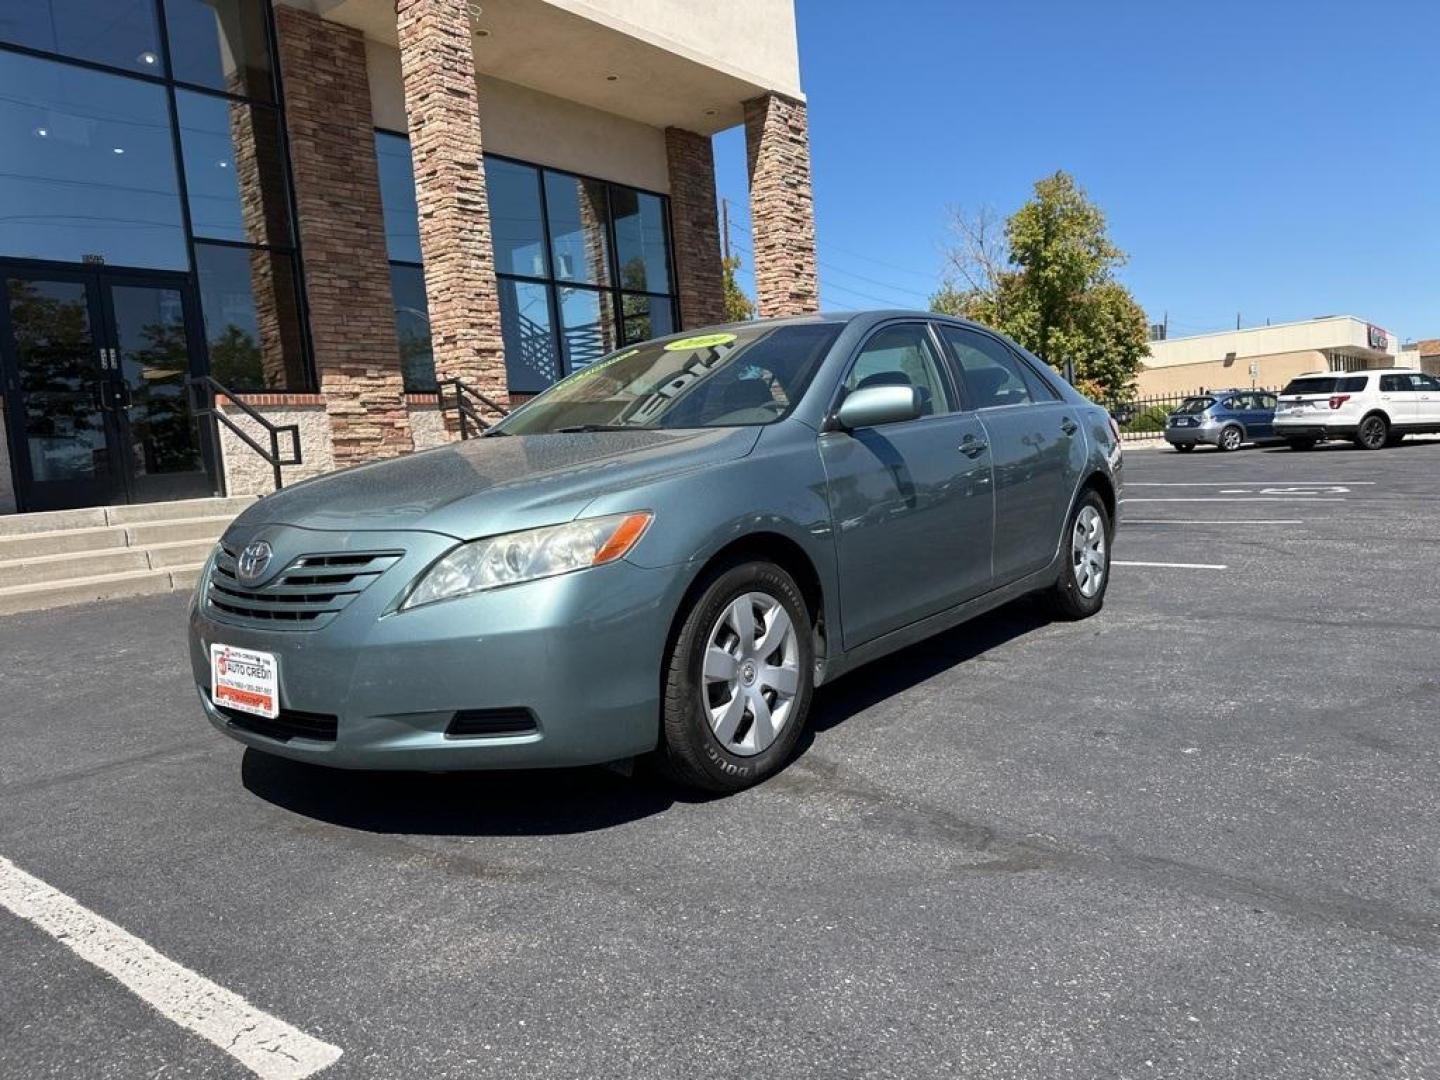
<point x="1144" y="417"/>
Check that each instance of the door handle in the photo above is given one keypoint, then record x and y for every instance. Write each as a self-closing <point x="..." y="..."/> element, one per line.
<point x="1068" y="426"/>
<point x="973" y="447"/>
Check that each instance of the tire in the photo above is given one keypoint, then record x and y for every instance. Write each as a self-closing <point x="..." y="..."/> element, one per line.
<point x="1073" y="597"/>
<point x="705" y="745"/>
<point x="1184" y="447"/>
<point x="1300" y="444"/>
<point x="1373" y="433"/>
<point x="1230" y="439"/>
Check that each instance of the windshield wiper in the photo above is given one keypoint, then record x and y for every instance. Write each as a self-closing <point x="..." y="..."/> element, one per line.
<point x="576" y="429"/>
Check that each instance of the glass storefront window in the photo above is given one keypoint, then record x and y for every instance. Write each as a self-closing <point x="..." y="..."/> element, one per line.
<point x="579" y="247"/>
<point x="230" y="147"/>
<point x="220" y="44"/>
<point x="646" y="317"/>
<point x="249" y="302"/>
<point x="587" y="325"/>
<point x="640" y="240"/>
<point x="531" y="363"/>
<point x="412" y="327"/>
<point x="89" y="167"/>
<point x="121" y="33"/>
<point x="397" y="197"/>
<point x="516" y="225"/>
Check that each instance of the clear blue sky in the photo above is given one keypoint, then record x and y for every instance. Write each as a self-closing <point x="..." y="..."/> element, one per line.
<point x="1276" y="158"/>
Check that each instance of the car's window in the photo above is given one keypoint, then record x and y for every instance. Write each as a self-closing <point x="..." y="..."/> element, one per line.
<point x="751" y="375"/>
<point x="1265" y="401"/>
<point x="1235" y="403"/>
<point x="1325" y="384"/>
<point x="901" y="356"/>
<point x="1194" y="406"/>
<point x="1395" y="384"/>
<point x="1427" y="382"/>
<point x="992" y="375"/>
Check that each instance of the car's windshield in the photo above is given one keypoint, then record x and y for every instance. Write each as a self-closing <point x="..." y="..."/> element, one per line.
<point x="1192" y="405"/>
<point x="731" y="378"/>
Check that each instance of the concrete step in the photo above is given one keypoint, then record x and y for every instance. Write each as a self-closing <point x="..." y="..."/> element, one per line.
<point x="49" y="594"/>
<point x="139" y="513"/>
<point x="69" y="565"/>
<point x="30" y="545"/>
<point x="179" y="553"/>
<point x="169" y="532"/>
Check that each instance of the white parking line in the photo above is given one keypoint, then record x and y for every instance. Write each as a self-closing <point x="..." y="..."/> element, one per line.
<point x="1240" y="499"/>
<point x="1249" y="483"/>
<point x="1209" y="521"/>
<point x="1174" y="565"/>
<point x="268" y="1047"/>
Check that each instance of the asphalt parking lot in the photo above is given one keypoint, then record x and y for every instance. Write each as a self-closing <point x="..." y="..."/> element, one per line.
<point x="1192" y="837"/>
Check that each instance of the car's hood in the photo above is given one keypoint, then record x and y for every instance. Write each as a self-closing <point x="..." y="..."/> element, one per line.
<point x="495" y="484"/>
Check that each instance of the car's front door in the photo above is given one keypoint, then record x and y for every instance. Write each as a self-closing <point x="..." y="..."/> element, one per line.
<point x="1260" y="415"/>
<point x="911" y="502"/>
<point x="1036" y="442"/>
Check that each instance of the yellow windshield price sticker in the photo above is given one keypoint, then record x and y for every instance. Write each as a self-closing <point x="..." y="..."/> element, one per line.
<point x="704" y="341"/>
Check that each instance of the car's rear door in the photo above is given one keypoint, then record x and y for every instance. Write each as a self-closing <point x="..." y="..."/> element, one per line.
<point x="1399" y="399"/>
<point x="1036" y="442"/>
<point x="911" y="502"/>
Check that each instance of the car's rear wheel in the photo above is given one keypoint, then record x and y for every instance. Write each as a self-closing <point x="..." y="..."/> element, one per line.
<point x="738" y="680"/>
<point x="1080" y="591"/>
<point x="1373" y="433"/>
<point x="1300" y="444"/>
<point x="1184" y="447"/>
<point x="1231" y="438"/>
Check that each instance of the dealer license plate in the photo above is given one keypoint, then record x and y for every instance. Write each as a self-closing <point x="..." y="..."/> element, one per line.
<point x="245" y="679"/>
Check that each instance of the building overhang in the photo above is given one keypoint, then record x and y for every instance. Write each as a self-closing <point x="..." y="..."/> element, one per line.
<point x="590" y="54"/>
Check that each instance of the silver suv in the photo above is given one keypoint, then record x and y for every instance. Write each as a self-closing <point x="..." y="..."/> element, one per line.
<point x="1374" y="408"/>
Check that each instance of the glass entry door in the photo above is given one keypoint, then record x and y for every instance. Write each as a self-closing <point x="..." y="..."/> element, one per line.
<point x="93" y="366"/>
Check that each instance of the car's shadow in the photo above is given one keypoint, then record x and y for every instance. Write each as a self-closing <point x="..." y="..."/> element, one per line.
<point x="566" y="801"/>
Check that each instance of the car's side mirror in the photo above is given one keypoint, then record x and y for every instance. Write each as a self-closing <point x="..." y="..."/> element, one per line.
<point x="872" y="406"/>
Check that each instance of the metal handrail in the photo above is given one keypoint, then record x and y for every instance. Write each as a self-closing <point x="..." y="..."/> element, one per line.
<point x="466" y="404"/>
<point x="203" y="392"/>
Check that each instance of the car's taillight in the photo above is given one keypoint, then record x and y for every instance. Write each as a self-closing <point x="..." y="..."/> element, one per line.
<point x="1114" y="429"/>
<point x="1336" y="400"/>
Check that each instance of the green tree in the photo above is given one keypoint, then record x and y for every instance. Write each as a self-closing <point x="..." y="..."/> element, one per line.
<point x="738" y="307"/>
<point x="1046" y="277"/>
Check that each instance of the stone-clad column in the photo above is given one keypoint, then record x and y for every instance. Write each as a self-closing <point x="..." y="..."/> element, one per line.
<point x="782" y="212"/>
<point x="443" y="110"/>
<point x="342" y="233"/>
<point x="696" y="228"/>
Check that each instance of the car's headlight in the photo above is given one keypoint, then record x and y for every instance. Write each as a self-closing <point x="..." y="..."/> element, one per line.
<point x="511" y="558"/>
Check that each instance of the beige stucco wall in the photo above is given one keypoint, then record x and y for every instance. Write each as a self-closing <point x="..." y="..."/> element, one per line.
<point x="751" y="38"/>
<point x="1275" y="370"/>
<point x="527" y="124"/>
<point x="7" y="483"/>
<point x="247" y="473"/>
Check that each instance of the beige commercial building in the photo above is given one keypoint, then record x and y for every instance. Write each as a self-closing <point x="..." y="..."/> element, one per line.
<point x="1267" y="355"/>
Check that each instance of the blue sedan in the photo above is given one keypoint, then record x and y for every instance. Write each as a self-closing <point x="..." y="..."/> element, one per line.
<point x="1223" y="418"/>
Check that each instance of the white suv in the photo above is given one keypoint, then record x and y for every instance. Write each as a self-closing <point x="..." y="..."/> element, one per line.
<point x="1375" y="408"/>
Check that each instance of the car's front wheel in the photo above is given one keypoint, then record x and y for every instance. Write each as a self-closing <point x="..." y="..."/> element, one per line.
<point x="1184" y="447"/>
<point x="1080" y="591"/>
<point x="738" y="680"/>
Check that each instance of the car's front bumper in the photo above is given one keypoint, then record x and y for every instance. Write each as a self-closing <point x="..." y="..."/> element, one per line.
<point x="582" y="652"/>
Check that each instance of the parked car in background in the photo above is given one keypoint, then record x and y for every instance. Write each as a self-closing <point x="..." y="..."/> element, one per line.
<point x="1375" y="408"/>
<point x="663" y="554"/>
<point x="1224" y="418"/>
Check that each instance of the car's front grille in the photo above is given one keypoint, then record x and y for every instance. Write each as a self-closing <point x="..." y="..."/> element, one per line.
<point x="290" y="724"/>
<point x="306" y="595"/>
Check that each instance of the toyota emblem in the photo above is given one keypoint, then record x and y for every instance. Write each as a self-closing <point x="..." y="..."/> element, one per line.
<point x="253" y="560"/>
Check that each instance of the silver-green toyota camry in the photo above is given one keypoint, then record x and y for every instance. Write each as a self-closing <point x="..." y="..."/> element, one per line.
<point x="661" y="556"/>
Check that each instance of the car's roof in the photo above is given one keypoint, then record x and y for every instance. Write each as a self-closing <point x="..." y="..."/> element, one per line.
<point x="1365" y="371"/>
